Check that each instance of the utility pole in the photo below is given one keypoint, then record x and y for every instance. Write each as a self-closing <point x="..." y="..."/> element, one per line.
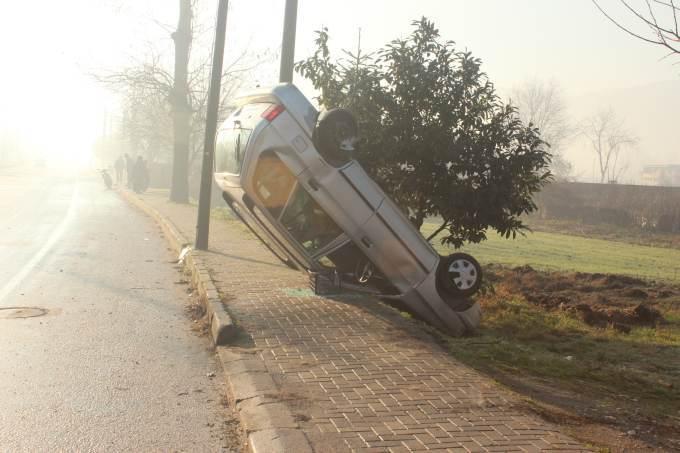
<point x="203" y="221"/>
<point x="288" y="45"/>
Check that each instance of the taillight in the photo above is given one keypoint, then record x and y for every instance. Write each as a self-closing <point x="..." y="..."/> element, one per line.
<point x="272" y="112"/>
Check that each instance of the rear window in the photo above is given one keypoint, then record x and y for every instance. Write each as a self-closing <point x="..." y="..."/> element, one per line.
<point x="232" y="140"/>
<point x="230" y="150"/>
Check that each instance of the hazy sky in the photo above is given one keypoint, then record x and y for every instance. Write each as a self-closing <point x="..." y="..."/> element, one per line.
<point x="50" y="47"/>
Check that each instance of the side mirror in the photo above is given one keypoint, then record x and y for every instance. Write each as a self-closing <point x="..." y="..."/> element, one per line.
<point x="336" y="135"/>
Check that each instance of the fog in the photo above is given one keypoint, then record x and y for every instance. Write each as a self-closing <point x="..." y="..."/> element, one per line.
<point x="54" y="110"/>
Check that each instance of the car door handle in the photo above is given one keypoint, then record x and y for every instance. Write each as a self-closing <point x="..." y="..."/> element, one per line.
<point x="313" y="184"/>
<point x="367" y="242"/>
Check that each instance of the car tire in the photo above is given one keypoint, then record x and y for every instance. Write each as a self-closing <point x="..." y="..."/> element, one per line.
<point x="335" y="135"/>
<point x="459" y="275"/>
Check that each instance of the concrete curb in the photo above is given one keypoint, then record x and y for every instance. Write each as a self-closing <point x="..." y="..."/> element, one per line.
<point x="222" y="328"/>
<point x="266" y="420"/>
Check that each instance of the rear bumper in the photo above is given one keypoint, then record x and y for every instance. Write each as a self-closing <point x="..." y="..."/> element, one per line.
<point x="456" y="317"/>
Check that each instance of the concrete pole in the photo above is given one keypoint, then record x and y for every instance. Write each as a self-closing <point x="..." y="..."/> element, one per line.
<point x="288" y="45"/>
<point x="203" y="221"/>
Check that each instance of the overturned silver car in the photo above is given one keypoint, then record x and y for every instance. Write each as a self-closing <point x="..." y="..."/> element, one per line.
<point x="288" y="173"/>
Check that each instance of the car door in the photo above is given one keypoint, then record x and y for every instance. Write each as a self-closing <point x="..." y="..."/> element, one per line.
<point x="288" y="207"/>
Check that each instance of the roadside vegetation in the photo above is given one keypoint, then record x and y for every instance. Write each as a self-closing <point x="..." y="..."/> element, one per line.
<point x="435" y="134"/>
<point x="587" y="330"/>
<point x="567" y="252"/>
<point x="592" y="379"/>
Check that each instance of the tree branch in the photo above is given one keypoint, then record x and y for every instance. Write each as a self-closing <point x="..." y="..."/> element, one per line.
<point x="441" y="228"/>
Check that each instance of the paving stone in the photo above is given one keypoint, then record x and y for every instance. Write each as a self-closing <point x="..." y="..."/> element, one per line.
<point x="355" y="365"/>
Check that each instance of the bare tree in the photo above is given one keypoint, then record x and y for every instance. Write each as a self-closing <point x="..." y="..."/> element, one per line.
<point x="146" y="90"/>
<point x="608" y="139"/>
<point x="164" y="105"/>
<point x="542" y="104"/>
<point x="147" y="120"/>
<point x="658" y="18"/>
<point x="179" y="102"/>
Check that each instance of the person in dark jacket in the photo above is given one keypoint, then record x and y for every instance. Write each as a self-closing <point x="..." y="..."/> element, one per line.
<point x="119" y="166"/>
<point x="145" y="175"/>
<point x="140" y="176"/>
<point x="130" y="167"/>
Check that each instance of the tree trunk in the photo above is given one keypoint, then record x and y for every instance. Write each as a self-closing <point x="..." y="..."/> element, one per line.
<point x="181" y="111"/>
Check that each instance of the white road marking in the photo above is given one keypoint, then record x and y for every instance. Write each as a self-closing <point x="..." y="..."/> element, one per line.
<point x="40" y="254"/>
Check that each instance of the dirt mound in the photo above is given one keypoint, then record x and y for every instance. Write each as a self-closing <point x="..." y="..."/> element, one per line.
<point x="601" y="300"/>
<point x="636" y="293"/>
<point x="620" y="319"/>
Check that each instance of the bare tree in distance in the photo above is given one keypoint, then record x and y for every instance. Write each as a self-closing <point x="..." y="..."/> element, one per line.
<point x="659" y="20"/>
<point x="541" y="104"/>
<point x="608" y="138"/>
<point x="164" y="105"/>
<point x="145" y="88"/>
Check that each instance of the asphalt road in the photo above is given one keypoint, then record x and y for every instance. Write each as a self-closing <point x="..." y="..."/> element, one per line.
<point x="109" y="362"/>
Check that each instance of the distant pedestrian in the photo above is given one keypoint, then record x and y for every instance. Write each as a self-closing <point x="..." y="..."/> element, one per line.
<point x="141" y="176"/>
<point x="107" y="178"/>
<point x="145" y="175"/>
<point x="130" y="167"/>
<point x="119" y="166"/>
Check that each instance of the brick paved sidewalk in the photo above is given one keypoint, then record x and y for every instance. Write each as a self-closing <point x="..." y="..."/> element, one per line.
<point x="354" y="373"/>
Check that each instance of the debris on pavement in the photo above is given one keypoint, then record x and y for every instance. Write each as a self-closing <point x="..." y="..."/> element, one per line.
<point x="183" y="254"/>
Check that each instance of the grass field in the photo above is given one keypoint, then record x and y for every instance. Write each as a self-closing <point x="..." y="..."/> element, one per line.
<point x="553" y="251"/>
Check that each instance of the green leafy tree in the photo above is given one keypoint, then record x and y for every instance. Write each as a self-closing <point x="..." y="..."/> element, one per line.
<point x="435" y="135"/>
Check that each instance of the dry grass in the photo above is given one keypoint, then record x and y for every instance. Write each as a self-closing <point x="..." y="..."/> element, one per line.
<point x="628" y="381"/>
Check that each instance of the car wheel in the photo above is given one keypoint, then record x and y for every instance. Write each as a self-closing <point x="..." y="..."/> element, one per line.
<point x="335" y="136"/>
<point x="459" y="274"/>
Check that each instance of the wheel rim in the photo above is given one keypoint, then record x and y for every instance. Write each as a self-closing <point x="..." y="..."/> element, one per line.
<point x="463" y="273"/>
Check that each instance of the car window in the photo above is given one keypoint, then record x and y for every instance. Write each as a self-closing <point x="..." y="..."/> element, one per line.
<point x="307" y="222"/>
<point x="286" y="200"/>
<point x="230" y="150"/>
<point x="274" y="183"/>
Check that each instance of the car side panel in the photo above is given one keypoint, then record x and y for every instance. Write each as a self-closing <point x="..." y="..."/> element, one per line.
<point x="363" y="225"/>
<point x="409" y="236"/>
<point x="338" y="198"/>
<point x="357" y="177"/>
<point x="301" y="148"/>
<point x="387" y="251"/>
